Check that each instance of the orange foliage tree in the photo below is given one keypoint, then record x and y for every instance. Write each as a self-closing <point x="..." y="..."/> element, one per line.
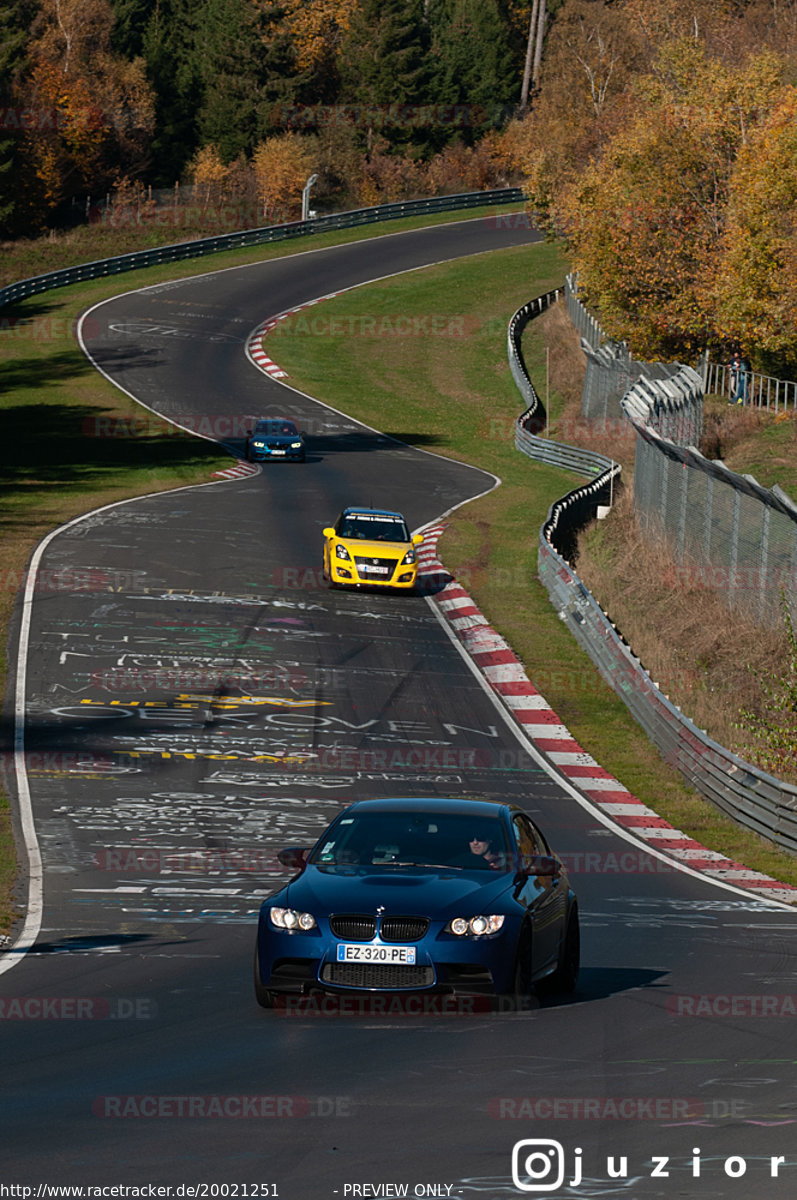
<point x="281" y="167"/>
<point x="64" y="143"/>
<point x="95" y="110"/>
<point x="208" y="173"/>
<point x="591" y="54"/>
<point x="646" y="221"/>
<point x="315" y="28"/>
<point x="755" y="289"/>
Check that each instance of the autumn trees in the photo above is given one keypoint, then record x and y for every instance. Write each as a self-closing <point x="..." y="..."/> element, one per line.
<point x="135" y="90"/>
<point x="654" y="135"/>
<point x="81" y="113"/>
<point x="661" y="145"/>
<point x="646" y="218"/>
<point x="755" y="285"/>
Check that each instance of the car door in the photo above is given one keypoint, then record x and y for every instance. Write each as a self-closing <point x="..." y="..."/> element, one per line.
<point x="544" y="895"/>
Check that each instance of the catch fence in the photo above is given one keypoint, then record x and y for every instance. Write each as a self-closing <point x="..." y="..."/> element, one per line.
<point x="750" y="796"/>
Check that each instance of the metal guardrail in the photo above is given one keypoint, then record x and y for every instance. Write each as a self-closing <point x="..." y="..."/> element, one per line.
<point x="748" y="795"/>
<point x="559" y="454"/>
<point x="556" y="454"/>
<point x="252" y="237"/>
<point x="534" y="417"/>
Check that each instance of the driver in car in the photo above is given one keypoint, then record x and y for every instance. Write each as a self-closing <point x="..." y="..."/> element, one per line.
<point x="480" y="854"/>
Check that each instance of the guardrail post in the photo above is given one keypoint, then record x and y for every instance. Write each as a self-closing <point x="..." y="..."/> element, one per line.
<point x="708" y="518"/>
<point x="764" y="564"/>
<point x="682" y="512"/>
<point x="734" y="555"/>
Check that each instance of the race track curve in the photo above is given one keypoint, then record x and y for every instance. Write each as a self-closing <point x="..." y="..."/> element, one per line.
<point x="202" y="701"/>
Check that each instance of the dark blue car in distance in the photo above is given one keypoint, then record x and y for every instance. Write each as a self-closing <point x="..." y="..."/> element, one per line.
<point x="420" y="895"/>
<point x="275" y="438"/>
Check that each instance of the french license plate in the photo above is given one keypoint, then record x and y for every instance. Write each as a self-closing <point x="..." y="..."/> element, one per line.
<point x="375" y="570"/>
<point x="376" y="954"/>
<point x="277" y="451"/>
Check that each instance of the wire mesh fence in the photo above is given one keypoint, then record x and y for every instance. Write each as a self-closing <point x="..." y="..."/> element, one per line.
<point x="611" y="370"/>
<point x="726" y="532"/>
<point x="582" y="319"/>
<point x="609" y="375"/>
<point x="734" y="534"/>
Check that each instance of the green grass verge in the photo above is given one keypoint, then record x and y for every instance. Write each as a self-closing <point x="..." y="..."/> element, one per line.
<point x="454" y="394"/>
<point x="50" y="471"/>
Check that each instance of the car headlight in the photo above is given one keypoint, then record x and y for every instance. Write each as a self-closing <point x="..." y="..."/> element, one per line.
<point x="342" y="552"/>
<point x="296" y="445"/>
<point x="474" y="926"/>
<point x="258" y="445"/>
<point x="409" y="557"/>
<point x="290" y="919"/>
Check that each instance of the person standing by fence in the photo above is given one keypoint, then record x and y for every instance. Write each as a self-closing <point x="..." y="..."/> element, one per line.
<point x="742" y="372"/>
<point x="735" y="365"/>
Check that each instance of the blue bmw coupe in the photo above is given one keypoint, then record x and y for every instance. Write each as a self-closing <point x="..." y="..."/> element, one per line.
<point x="275" y="437"/>
<point x="423" y="895"/>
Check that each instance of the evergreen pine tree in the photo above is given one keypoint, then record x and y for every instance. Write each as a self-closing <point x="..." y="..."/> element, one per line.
<point x="219" y="68"/>
<point x="169" y="51"/>
<point x="227" y="70"/>
<point x="131" y="18"/>
<point x="15" y="19"/>
<point x="387" y="69"/>
<point x="476" y="66"/>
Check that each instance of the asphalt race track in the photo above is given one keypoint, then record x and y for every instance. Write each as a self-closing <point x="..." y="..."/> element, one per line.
<point x="195" y="700"/>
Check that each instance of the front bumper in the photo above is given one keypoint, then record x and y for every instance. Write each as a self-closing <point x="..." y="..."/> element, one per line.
<point x="345" y="573"/>
<point x="277" y="454"/>
<point x="296" y="963"/>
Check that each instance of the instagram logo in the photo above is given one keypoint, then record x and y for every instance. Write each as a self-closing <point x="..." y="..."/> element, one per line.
<point x="538" y="1165"/>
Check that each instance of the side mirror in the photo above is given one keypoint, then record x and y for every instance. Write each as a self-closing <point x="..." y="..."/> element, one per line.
<point x="417" y="539"/>
<point x="328" y="533"/>
<point x="294" y="857"/>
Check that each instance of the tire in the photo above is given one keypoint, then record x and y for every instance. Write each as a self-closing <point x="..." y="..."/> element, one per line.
<point x="522" y="987"/>
<point x="263" y="995"/>
<point x="565" y="976"/>
<point x="330" y="582"/>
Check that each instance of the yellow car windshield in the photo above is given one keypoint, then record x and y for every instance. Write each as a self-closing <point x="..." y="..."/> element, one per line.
<point x="374" y="529"/>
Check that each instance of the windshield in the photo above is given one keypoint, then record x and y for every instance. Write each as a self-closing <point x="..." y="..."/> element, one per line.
<point x="374" y="528"/>
<point x="276" y="427"/>
<point x="384" y="839"/>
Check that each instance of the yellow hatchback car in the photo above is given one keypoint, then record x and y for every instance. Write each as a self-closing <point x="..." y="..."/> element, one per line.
<point x="370" y="546"/>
